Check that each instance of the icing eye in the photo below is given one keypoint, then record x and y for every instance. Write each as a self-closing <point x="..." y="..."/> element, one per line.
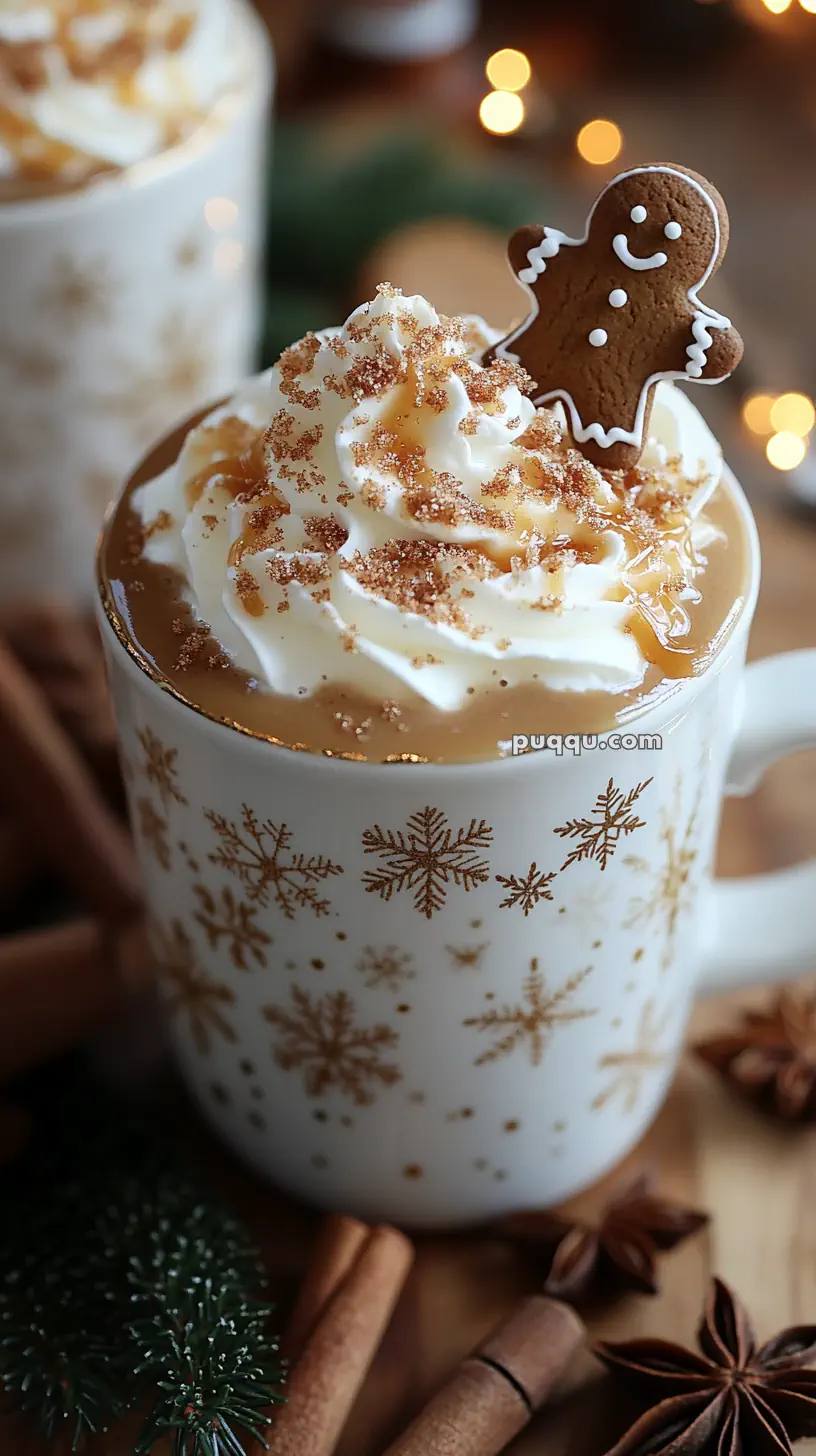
<point x="639" y="213"/>
<point x="598" y="338"/>
<point x="673" y="231"/>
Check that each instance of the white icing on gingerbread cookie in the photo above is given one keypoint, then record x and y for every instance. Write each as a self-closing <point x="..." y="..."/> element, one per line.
<point x="620" y="243"/>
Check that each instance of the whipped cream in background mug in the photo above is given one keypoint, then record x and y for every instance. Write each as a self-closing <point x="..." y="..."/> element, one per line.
<point x="132" y="149"/>
<point x="438" y="992"/>
<point x="85" y="87"/>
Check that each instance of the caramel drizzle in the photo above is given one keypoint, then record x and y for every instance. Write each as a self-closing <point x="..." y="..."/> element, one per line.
<point x="659" y="623"/>
<point x="241" y="471"/>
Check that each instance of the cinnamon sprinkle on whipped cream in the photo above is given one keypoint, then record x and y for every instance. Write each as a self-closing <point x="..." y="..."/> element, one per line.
<point x="381" y="511"/>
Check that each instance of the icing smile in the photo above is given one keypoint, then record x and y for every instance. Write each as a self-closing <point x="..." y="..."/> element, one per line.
<point x="640" y="265"/>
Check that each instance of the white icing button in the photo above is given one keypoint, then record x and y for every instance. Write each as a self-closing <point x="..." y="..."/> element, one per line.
<point x="638" y="214"/>
<point x="673" y="231"/>
<point x="618" y="297"/>
<point x="598" y="338"/>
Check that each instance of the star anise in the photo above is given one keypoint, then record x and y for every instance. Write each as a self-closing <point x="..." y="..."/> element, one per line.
<point x="731" y="1400"/>
<point x="617" y="1251"/>
<point x="771" y="1058"/>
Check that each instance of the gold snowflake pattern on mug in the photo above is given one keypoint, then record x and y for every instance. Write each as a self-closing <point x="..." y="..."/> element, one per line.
<point x="152" y="830"/>
<point x="632" y="1066"/>
<point x="159" y="767"/>
<point x="599" y="835"/>
<point x="671" y="891"/>
<point x="148" y="399"/>
<point x="78" y="293"/>
<point x="319" y="1037"/>
<point x="467" y="957"/>
<point x="261" y="858"/>
<point x="427" y="857"/>
<point x="230" y="919"/>
<point x="526" y="891"/>
<point x="530" y="1023"/>
<point x="30" y="364"/>
<point x="386" y="967"/>
<point x="188" y="991"/>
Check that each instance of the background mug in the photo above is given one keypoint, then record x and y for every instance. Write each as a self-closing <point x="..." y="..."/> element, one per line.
<point x="124" y="305"/>
<point x="437" y="993"/>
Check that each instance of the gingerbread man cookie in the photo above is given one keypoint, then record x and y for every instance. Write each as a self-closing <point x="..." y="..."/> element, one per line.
<point x="617" y="310"/>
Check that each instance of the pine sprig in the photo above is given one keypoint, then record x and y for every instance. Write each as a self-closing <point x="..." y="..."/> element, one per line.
<point x="202" y="1342"/>
<point x="123" y="1282"/>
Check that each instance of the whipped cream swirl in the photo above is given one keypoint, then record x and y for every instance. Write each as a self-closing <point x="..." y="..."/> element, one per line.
<point x="382" y="512"/>
<point x="87" y="85"/>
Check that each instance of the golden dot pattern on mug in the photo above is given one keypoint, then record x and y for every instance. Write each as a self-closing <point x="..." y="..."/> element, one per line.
<point x="250" y="1112"/>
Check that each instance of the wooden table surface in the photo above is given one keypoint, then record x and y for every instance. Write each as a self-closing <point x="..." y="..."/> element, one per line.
<point x="757" y="1179"/>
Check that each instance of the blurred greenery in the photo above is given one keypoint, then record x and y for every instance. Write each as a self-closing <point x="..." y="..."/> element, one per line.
<point x="327" y="211"/>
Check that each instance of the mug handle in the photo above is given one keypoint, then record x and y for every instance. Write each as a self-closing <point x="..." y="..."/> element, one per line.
<point x="763" y="927"/>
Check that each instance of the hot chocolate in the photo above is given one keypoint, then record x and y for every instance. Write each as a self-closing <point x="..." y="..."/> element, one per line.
<point x="380" y="548"/>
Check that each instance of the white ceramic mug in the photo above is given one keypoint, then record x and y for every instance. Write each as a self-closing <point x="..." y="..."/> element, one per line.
<point x="123" y="305"/>
<point x="438" y="993"/>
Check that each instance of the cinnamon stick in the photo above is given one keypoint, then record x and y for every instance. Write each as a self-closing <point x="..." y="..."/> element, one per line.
<point x="494" y="1393"/>
<point x="57" y="986"/>
<point x="339" y="1242"/>
<point x="51" y="792"/>
<point x="327" y="1379"/>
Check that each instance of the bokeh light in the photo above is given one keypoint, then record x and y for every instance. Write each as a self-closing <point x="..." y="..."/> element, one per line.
<point x="756" y="413"/>
<point x="809" y="6"/>
<point x="501" y="112"/>
<point x="600" y="142"/>
<point x="220" y="213"/>
<point x="508" y="70"/>
<point x="228" y="258"/>
<point x="786" y="450"/>
<point x="777" y="7"/>
<point x="793" y="414"/>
